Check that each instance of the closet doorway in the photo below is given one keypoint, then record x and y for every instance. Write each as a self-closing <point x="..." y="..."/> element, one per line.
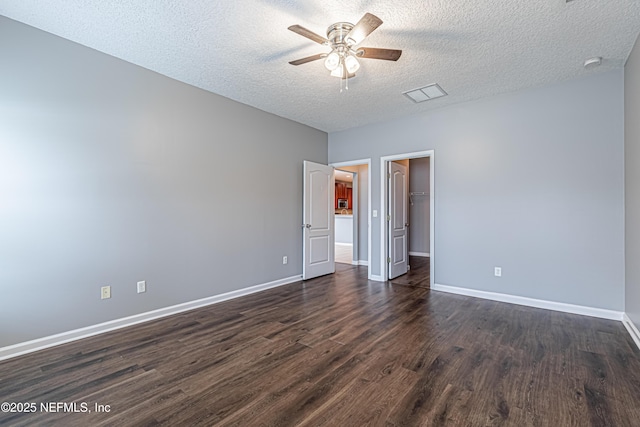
<point x="407" y="199"/>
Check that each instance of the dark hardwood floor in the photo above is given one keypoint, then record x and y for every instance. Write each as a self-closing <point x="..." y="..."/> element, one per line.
<point x="417" y="276"/>
<point x="340" y="351"/>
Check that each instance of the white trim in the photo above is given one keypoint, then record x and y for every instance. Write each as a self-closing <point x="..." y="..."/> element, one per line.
<point x="369" y="205"/>
<point x="343" y="244"/>
<point x="532" y="302"/>
<point x="631" y="328"/>
<point x="377" y="278"/>
<point x="384" y="273"/>
<point x="360" y="262"/>
<point x="76" y="334"/>
<point x="422" y="254"/>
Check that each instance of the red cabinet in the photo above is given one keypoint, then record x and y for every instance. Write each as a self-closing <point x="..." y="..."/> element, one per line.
<point x="344" y="192"/>
<point x="341" y="192"/>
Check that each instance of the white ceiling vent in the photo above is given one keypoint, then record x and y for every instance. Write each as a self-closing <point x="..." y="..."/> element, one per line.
<point x="426" y="93"/>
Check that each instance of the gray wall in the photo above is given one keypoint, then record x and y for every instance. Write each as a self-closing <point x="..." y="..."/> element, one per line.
<point x="632" y="184"/>
<point x="530" y="181"/>
<point x="363" y="215"/>
<point x="419" y="210"/>
<point x="110" y="174"/>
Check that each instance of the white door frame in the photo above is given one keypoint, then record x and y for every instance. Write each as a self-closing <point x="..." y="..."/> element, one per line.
<point x="384" y="194"/>
<point x="367" y="162"/>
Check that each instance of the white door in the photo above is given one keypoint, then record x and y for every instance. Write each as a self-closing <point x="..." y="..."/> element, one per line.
<point x="318" y="220"/>
<point x="398" y="260"/>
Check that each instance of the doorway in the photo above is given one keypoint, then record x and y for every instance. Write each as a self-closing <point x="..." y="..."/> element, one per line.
<point x="352" y="225"/>
<point x="401" y="195"/>
<point x="346" y="215"/>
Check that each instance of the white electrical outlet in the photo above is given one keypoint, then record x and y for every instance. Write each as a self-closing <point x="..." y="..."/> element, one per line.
<point x="142" y="286"/>
<point x="105" y="292"/>
<point x="285" y="259"/>
<point x="497" y="271"/>
<point x="375" y="213"/>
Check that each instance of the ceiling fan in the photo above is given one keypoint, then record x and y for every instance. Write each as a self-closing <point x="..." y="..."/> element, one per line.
<point x="342" y="38"/>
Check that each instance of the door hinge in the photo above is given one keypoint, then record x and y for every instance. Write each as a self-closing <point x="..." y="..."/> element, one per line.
<point x="388" y="217"/>
<point x="388" y="175"/>
<point x="388" y="260"/>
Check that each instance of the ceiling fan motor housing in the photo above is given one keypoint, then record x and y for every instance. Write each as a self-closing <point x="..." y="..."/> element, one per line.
<point x="337" y="34"/>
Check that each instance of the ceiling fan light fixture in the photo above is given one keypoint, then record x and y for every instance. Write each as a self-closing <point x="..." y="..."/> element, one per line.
<point x="338" y="71"/>
<point x="332" y="61"/>
<point x="351" y="64"/>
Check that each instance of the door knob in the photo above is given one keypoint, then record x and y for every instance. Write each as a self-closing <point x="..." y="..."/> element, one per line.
<point x="308" y="225"/>
<point x="406" y="224"/>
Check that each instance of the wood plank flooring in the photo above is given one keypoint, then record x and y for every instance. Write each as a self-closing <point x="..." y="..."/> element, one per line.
<point x="343" y="253"/>
<point x="417" y="276"/>
<point x="340" y="351"/>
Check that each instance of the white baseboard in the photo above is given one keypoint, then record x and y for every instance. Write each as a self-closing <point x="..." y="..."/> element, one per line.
<point x="343" y="244"/>
<point x="631" y="328"/>
<point x="360" y="262"/>
<point x="422" y="254"/>
<point x="76" y="334"/>
<point x="376" y="278"/>
<point x="531" y="302"/>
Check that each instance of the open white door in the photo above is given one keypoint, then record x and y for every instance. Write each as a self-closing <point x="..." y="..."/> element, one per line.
<point x="318" y="221"/>
<point x="398" y="260"/>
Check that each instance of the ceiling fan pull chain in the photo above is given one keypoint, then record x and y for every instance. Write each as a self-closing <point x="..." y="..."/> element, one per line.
<point x="346" y="74"/>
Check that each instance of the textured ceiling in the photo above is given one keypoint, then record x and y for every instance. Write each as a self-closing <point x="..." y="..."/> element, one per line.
<point x="240" y="49"/>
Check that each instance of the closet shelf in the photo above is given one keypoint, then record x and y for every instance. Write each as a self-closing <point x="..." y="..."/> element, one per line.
<point x="416" y="193"/>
